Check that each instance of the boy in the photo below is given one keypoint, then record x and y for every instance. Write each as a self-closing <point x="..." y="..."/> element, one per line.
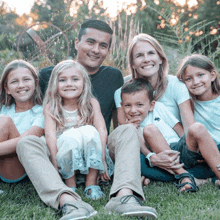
<point x="159" y="130"/>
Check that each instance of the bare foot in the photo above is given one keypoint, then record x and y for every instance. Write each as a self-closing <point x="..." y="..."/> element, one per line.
<point x="145" y="181"/>
<point x="217" y="183"/>
<point x="200" y="182"/>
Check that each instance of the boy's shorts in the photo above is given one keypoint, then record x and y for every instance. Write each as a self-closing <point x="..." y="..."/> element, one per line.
<point x="188" y="157"/>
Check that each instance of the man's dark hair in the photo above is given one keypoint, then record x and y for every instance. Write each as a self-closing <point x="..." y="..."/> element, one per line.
<point x="137" y="85"/>
<point x="96" y="24"/>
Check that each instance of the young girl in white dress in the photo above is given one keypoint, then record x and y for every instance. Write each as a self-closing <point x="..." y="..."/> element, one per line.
<point x="21" y="114"/>
<point x="75" y="129"/>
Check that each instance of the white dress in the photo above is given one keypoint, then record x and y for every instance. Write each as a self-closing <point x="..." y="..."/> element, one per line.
<point x="80" y="148"/>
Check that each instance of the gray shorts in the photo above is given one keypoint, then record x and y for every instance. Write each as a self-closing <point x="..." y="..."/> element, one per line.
<point x="188" y="157"/>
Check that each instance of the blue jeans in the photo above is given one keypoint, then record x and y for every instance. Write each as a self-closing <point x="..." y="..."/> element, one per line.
<point x="200" y="171"/>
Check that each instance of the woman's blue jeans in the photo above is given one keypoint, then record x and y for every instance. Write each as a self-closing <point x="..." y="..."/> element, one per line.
<point x="200" y="171"/>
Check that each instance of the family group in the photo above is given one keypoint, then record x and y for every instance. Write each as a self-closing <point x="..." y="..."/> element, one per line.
<point x="55" y="125"/>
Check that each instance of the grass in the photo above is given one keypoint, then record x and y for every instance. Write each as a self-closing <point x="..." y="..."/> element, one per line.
<point x="20" y="201"/>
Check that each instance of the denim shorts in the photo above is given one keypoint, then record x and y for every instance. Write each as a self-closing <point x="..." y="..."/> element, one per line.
<point x="188" y="157"/>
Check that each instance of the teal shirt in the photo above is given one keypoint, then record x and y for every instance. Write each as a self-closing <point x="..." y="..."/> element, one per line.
<point x="25" y="120"/>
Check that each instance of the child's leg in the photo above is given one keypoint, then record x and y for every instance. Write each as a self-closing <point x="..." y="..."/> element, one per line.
<point x="198" y="138"/>
<point x="92" y="177"/>
<point x="154" y="139"/>
<point x="93" y="156"/>
<point x="71" y="182"/>
<point x="10" y="166"/>
<point x="157" y="143"/>
<point x="8" y="129"/>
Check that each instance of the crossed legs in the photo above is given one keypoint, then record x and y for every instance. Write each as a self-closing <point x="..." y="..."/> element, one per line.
<point x="10" y="166"/>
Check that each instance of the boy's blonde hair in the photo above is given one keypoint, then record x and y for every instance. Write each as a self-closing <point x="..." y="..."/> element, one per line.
<point x="6" y="99"/>
<point x="164" y="67"/>
<point x="53" y="98"/>
<point x="200" y="61"/>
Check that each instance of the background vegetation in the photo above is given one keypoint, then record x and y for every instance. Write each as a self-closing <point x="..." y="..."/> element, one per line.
<point x="182" y="29"/>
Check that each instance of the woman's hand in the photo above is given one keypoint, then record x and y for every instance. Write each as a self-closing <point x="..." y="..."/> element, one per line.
<point x="167" y="160"/>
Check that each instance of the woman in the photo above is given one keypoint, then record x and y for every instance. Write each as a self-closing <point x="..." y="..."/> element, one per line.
<point x="147" y="60"/>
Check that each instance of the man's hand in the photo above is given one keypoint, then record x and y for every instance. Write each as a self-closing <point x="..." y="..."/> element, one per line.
<point x="167" y="160"/>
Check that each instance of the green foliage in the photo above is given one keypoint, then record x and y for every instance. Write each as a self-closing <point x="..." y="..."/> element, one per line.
<point x="185" y="38"/>
<point x="6" y="56"/>
<point x="124" y="28"/>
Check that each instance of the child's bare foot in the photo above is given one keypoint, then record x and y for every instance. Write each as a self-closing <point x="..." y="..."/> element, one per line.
<point x="145" y="181"/>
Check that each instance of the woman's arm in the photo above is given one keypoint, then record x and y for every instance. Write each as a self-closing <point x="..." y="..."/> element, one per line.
<point x="50" y="134"/>
<point x="99" y="124"/>
<point x="186" y="113"/>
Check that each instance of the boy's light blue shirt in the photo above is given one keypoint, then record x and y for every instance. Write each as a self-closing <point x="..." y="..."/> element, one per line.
<point x="164" y="120"/>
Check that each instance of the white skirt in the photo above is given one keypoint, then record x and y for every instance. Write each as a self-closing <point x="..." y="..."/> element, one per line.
<point x="81" y="149"/>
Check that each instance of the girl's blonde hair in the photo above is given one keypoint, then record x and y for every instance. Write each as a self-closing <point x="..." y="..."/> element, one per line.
<point x="53" y="98"/>
<point x="164" y="67"/>
<point x="200" y="61"/>
<point x="6" y="99"/>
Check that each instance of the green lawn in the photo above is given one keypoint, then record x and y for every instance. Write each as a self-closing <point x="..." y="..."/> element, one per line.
<point x="20" y="201"/>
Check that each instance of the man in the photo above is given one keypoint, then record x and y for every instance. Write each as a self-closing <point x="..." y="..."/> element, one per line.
<point x="93" y="45"/>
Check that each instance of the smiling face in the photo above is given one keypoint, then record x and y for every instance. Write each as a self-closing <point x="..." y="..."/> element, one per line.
<point x="70" y="84"/>
<point x="20" y="85"/>
<point x="136" y="105"/>
<point x="146" y="61"/>
<point x="92" y="49"/>
<point x="198" y="82"/>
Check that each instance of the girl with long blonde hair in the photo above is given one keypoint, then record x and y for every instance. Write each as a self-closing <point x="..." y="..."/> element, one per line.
<point x="75" y="129"/>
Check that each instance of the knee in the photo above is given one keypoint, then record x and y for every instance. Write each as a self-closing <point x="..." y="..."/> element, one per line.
<point x="127" y="128"/>
<point x="197" y="130"/>
<point x="150" y="130"/>
<point x="89" y="130"/>
<point x="25" y="145"/>
<point x="6" y="121"/>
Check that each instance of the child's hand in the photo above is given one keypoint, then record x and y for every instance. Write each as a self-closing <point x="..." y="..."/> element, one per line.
<point x="54" y="162"/>
<point x="134" y="121"/>
<point x="104" y="176"/>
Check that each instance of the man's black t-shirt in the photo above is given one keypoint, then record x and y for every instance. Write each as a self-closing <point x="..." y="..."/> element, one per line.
<point x="104" y="84"/>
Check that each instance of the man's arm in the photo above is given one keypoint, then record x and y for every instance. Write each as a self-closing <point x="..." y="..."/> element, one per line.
<point x="114" y="119"/>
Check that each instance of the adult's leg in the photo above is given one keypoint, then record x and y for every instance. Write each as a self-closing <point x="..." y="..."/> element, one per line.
<point x="155" y="173"/>
<point x="201" y="171"/>
<point x="10" y="166"/>
<point x="157" y="143"/>
<point x="34" y="156"/>
<point x="124" y="144"/>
